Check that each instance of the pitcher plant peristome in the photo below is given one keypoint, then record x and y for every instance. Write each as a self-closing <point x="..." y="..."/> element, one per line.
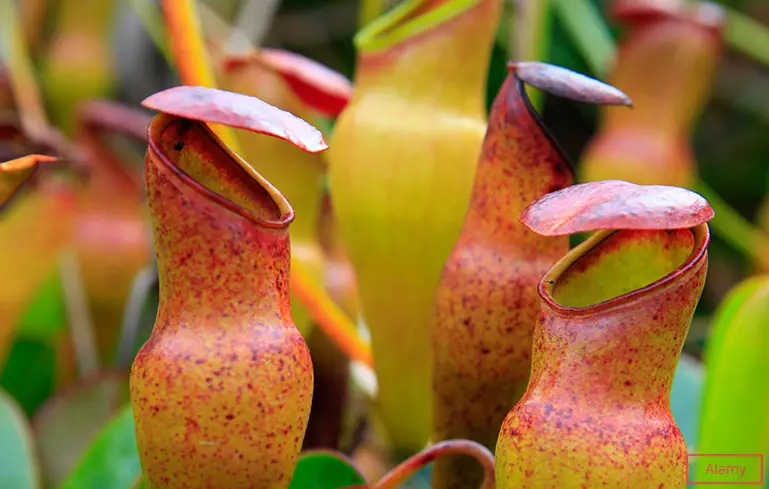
<point x="112" y="236"/>
<point x="615" y="313"/>
<point x="401" y="166"/>
<point x="666" y="64"/>
<point x="487" y="300"/>
<point x="298" y="174"/>
<point x="222" y="390"/>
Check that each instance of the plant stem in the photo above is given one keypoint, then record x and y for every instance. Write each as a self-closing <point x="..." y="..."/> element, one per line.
<point x="747" y="36"/>
<point x="402" y="472"/>
<point x="190" y="55"/>
<point x="33" y="16"/>
<point x="78" y="314"/>
<point x="132" y="314"/>
<point x="589" y="32"/>
<point x="255" y="18"/>
<point x="152" y="20"/>
<point x="735" y="229"/>
<point x="529" y="38"/>
<point x="22" y="78"/>
<point x="328" y="316"/>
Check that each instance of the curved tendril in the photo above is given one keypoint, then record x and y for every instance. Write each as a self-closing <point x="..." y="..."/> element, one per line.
<point x="402" y="472"/>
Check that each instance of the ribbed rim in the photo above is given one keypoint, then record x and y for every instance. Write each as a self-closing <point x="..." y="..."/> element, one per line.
<point x="701" y="240"/>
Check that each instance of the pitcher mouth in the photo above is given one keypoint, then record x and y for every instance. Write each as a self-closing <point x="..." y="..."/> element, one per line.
<point x="407" y="20"/>
<point x="161" y="122"/>
<point x="550" y="280"/>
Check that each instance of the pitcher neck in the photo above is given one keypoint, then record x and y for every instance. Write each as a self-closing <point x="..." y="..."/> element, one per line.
<point x="432" y="51"/>
<point x="520" y="161"/>
<point x="227" y="250"/>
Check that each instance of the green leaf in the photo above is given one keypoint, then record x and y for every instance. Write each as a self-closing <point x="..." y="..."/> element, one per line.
<point x="18" y="463"/>
<point x="584" y="22"/>
<point x="29" y="372"/>
<point x="321" y="469"/>
<point x="112" y="460"/>
<point x="66" y="424"/>
<point x="46" y="315"/>
<point x="735" y="415"/>
<point x="748" y="36"/>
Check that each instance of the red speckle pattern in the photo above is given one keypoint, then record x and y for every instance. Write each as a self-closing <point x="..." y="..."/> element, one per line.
<point x="615" y="204"/>
<point x="596" y="412"/>
<point x="221" y="391"/>
<point x="239" y="111"/>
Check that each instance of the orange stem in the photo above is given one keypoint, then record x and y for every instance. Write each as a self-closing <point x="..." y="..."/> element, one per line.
<point x="401" y="473"/>
<point x="328" y="316"/>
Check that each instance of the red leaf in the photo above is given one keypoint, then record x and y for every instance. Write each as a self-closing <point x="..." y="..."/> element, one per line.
<point x="614" y="204"/>
<point x="316" y="85"/>
<point x="238" y="111"/>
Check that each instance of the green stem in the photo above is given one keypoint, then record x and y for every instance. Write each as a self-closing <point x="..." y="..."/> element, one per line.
<point x="733" y="228"/>
<point x="747" y="36"/>
<point x="589" y="32"/>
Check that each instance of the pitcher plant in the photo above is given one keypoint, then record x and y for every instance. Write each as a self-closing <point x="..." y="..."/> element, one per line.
<point x="615" y="312"/>
<point x="666" y="63"/>
<point x="221" y="391"/>
<point x="487" y="300"/>
<point x="402" y="161"/>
